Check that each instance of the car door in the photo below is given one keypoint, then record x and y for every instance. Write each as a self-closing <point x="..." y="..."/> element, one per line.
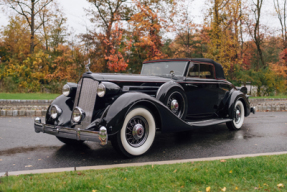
<point x="202" y="90"/>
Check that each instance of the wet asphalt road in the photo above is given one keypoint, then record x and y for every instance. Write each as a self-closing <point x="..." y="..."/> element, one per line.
<point x="22" y="149"/>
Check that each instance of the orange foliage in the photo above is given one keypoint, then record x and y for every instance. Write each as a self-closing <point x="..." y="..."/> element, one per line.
<point x="280" y="68"/>
<point x="147" y="26"/>
<point x="116" y="61"/>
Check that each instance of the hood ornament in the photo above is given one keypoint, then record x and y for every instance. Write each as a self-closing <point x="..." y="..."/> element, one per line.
<point x="88" y="66"/>
<point x="172" y="73"/>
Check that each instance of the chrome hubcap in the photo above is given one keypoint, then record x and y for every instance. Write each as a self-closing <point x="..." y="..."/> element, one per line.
<point x="137" y="131"/>
<point x="237" y="114"/>
<point x="174" y="106"/>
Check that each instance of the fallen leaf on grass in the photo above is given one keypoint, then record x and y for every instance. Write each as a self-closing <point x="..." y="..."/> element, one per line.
<point x="94" y="190"/>
<point x="152" y="166"/>
<point x="207" y="189"/>
<point x="265" y="184"/>
<point x="280" y="185"/>
<point x="230" y="171"/>
<point x="175" y="171"/>
<point x="28" y="166"/>
<point x="222" y="160"/>
<point x="125" y="179"/>
<point x="223" y="189"/>
<point x="236" y="188"/>
<point x="182" y="187"/>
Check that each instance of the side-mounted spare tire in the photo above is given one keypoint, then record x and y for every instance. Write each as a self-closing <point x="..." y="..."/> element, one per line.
<point x="176" y="101"/>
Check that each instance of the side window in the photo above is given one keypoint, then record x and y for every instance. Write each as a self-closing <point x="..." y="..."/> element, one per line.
<point x="206" y="71"/>
<point x="193" y="70"/>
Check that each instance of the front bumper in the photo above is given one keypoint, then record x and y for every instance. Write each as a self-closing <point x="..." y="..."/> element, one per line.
<point x="72" y="133"/>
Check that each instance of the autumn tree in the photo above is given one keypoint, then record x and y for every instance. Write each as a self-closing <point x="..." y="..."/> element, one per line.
<point x="222" y="33"/>
<point x="105" y="14"/>
<point x="187" y="42"/>
<point x="30" y="10"/>
<point x="282" y="16"/>
<point x="53" y="28"/>
<point x="150" y="20"/>
<point x="254" y="26"/>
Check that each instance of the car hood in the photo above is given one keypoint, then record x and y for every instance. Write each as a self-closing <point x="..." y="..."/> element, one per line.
<point x="116" y="77"/>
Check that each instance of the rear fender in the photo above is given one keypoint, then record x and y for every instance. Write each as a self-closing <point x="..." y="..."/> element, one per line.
<point x="238" y="95"/>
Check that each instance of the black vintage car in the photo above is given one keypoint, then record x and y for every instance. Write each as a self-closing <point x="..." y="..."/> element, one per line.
<point x="169" y="96"/>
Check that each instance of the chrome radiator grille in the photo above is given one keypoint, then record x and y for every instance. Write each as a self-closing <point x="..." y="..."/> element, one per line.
<point x="86" y="98"/>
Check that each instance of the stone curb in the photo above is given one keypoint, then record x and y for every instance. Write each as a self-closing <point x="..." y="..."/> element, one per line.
<point x="39" y="171"/>
<point x="28" y="102"/>
<point x="33" y="108"/>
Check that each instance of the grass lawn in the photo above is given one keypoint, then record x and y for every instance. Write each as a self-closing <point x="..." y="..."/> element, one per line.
<point x="267" y="173"/>
<point x="28" y="96"/>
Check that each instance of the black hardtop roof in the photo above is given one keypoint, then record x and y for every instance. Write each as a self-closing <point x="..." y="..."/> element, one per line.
<point x="217" y="66"/>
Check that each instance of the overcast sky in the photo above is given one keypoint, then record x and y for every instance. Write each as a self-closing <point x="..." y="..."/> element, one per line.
<point x="74" y="10"/>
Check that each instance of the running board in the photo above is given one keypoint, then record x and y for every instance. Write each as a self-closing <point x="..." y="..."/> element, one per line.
<point x="208" y="122"/>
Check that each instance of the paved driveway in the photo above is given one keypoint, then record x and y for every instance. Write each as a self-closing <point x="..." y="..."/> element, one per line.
<point x="22" y="149"/>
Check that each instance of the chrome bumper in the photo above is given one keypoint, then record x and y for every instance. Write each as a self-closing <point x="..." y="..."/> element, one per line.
<point x="72" y="133"/>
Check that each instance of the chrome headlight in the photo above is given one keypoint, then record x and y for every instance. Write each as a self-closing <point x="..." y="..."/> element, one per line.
<point x="78" y="115"/>
<point x="101" y="91"/>
<point x="66" y="90"/>
<point x="55" y="111"/>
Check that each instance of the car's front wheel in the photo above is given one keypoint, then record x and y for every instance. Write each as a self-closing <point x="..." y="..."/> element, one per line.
<point x="238" y="118"/>
<point x="137" y="133"/>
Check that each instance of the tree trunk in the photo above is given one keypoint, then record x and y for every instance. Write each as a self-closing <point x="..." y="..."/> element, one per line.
<point x="32" y="26"/>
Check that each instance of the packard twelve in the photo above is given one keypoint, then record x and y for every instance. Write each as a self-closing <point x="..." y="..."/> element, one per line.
<point x="168" y="96"/>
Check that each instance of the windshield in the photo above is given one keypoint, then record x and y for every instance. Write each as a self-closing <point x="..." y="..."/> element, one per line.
<point x="164" y="68"/>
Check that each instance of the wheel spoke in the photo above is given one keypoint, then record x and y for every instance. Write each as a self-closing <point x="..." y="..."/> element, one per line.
<point x="136" y="131"/>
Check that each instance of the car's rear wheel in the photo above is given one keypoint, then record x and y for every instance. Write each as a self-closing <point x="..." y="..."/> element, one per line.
<point x="137" y="133"/>
<point x="238" y="118"/>
<point x="176" y="101"/>
<point x="70" y="141"/>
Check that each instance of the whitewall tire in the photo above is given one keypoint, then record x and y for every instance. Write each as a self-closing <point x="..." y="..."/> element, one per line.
<point x="238" y="118"/>
<point x="137" y="133"/>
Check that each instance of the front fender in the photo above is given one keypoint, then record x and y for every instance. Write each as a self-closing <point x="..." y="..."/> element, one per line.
<point x="238" y="95"/>
<point x="115" y="116"/>
<point x="66" y="104"/>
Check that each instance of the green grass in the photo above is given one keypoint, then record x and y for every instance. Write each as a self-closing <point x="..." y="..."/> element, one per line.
<point x="28" y="96"/>
<point x="248" y="174"/>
